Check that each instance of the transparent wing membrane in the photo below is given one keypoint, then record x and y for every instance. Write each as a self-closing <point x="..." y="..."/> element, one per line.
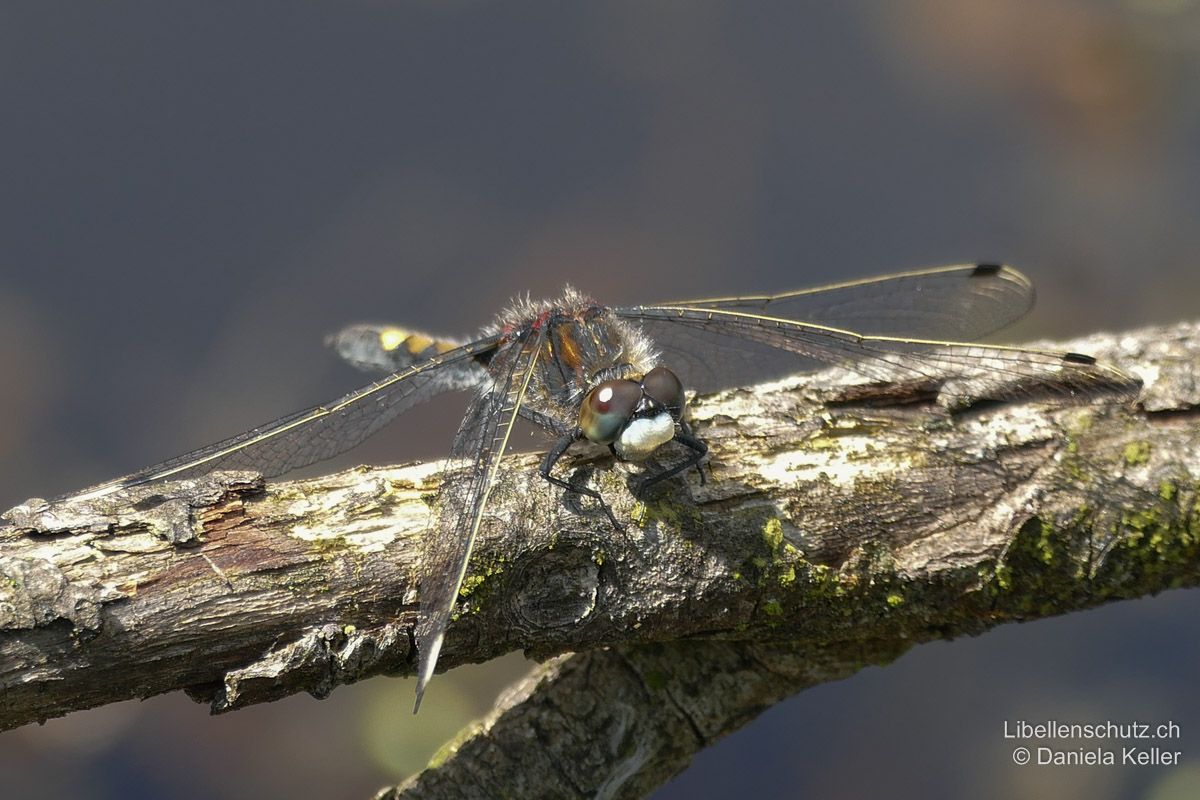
<point x="318" y="433"/>
<point x="961" y="373"/>
<point x="945" y="303"/>
<point x="475" y="458"/>
<point x="955" y="303"/>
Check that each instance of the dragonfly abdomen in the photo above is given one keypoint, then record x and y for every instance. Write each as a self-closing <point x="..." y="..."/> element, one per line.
<point x="387" y="348"/>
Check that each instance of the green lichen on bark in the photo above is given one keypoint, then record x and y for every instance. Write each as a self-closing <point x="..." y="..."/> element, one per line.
<point x="479" y="586"/>
<point x="1039" y="572"/>
<point x="1136" y="453"/>
<point x="1051" y="564"/>
<point x="1157" y="547"/>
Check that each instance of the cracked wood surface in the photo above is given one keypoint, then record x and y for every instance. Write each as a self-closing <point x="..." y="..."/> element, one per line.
<point x="829" y="535"/>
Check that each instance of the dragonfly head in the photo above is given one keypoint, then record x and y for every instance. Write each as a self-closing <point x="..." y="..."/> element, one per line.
<point x="636" y="417"/>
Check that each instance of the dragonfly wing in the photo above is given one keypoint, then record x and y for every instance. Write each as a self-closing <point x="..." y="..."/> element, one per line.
<point x="317" y="433"/>
<point x="945" y="303"/>
<point x="961" y="373"/>
<point x="708" y="358"/>
<point x="474" y="466"/>
<point x="956" y="303"/>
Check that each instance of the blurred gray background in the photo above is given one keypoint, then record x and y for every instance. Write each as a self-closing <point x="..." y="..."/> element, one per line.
<point x="193" y="194"/>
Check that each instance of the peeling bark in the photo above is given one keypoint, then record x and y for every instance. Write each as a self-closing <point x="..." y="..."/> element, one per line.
<point x="837" y="528"/>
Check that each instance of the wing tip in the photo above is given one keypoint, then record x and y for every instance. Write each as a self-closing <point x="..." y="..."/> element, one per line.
<point x="987" y="269"/>
<point x="995" y="269"/>
<point x="1078" y="358"/>
<point x="1108" y="379"/>
<point x="1003" y="272"/>
<point x="427" y="662"/>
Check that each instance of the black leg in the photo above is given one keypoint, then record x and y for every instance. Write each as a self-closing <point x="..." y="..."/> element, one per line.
<point x="687" y="429"/>
<point x="699" y="450"/>
<point x="556" y="452"/>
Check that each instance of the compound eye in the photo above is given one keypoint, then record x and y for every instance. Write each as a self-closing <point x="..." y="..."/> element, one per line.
<point x="607" y="409"/>
<point x="662" y="386"/>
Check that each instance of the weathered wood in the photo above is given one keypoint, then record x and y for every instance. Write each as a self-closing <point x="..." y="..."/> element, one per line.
<point x="829" y="535"/>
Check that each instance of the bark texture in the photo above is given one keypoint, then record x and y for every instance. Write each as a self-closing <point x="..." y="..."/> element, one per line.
<point x="838" y="526"/>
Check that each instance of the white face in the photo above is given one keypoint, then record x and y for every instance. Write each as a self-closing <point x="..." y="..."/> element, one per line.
<point x="643" y="436"/>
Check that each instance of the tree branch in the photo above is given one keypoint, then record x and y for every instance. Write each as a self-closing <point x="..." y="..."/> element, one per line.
<point x="837" y="528"/>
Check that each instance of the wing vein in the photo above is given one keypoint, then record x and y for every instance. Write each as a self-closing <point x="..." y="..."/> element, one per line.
<point x="479" y="447"/>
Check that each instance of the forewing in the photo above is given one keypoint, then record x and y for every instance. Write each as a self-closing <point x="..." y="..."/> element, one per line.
<point x="960" y="373"/>
<point x="955" y="303"/>
<point x="474" y="464"/>
<point x="317" y="433"/>
<point x="946" y="303"/>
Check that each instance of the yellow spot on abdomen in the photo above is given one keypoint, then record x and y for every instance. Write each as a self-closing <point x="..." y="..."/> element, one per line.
<point x="417" y="343"/>
<point x="391" y="338"/>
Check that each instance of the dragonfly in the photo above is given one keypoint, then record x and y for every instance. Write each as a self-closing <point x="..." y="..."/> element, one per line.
<point x="619" y="376"/>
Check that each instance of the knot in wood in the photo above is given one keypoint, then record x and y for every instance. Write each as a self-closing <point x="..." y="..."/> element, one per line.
<point x="558" y="589"/>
